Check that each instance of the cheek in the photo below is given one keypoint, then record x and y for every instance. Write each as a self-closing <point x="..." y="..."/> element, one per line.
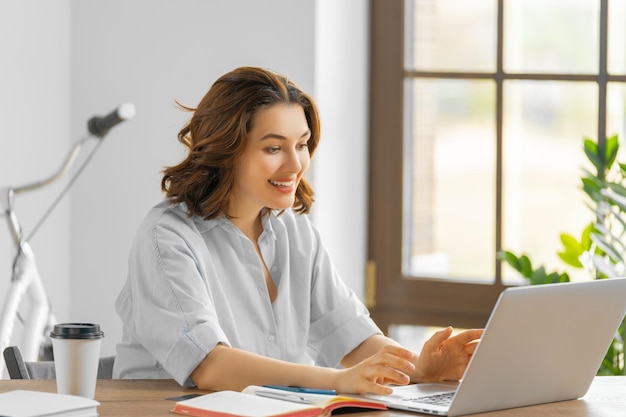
<point x="260" y="167"/>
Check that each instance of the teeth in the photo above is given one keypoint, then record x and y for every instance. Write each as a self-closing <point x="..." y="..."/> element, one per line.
<point x="281" y="184"/>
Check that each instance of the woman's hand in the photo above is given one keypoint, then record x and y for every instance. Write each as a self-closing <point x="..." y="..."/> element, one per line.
<point x="385" y="362"/>
<point x="445" y="358"/>
<point x="390" y="365"/>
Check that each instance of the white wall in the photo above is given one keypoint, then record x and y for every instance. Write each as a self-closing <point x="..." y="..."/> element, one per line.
<point x="340" y="166"/>
<point x="35" y="81"/>
<point x="151" y="52"/>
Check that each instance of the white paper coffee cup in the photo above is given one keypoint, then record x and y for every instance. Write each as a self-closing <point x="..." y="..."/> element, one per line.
<point x="76" y="349"/>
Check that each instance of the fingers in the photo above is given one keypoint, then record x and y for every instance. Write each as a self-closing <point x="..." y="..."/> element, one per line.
<point x="470" y="347"/>
<point x="398" y="351"/>
<point x="390" y="365"/>
<point x="437" y="339"/>
<point x="383" y="375"/>
<point x="374" y="379"/>
<point x="378" y="389"/>
<point x="469" y="335"/>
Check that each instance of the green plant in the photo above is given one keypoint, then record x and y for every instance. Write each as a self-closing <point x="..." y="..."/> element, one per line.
<point x="600" y="249"/>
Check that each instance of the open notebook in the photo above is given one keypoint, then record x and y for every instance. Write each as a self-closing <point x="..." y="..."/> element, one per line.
<point x="542" y="344"/>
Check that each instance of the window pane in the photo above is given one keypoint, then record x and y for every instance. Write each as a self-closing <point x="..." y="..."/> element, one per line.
<point x="555" y="36"/>
<point x="451" y="35"/>
<point x="545" y="123"/>
<point x="450" y="179"/>
<point x="617" y="37"/>
<point x="616" y="113"/>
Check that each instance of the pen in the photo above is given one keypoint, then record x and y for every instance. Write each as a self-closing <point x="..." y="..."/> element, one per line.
<point x="286" y="397"/>
<point x="303" y="390"/>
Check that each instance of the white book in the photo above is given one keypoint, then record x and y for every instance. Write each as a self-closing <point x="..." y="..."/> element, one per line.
<point x="25" y="403"/>
<point x="256" y="401"/>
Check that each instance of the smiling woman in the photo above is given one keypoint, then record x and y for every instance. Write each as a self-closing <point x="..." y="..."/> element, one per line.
<point x="271" y="166"/>
<point x="268" y="172"/>
<point x="229" y="284"/>
<point x="217" y="132"/>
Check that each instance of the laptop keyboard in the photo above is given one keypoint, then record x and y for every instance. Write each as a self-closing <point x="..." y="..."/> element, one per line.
<point x="437" y="399"/>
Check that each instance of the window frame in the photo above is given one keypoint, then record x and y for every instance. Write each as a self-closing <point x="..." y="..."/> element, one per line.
<point x="392" y="297"/>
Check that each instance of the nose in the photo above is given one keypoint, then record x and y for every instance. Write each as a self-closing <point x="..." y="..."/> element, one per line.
<point x="293" y="162"/>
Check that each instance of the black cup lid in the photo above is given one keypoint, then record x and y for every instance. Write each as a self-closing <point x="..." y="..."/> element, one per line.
<point x="76" y="331"/>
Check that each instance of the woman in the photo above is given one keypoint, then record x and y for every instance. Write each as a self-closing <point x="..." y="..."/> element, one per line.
<point x="229" y="283"/>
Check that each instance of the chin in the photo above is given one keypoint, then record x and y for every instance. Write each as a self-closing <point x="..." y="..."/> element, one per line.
<point x="281" y="205"/>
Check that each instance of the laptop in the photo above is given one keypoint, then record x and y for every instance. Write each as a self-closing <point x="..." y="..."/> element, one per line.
<point x="542" y="344"/>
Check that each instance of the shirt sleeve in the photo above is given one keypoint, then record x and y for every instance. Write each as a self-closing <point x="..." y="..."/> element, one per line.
<point x="339" y="320"/>
<point x="173" y="313"/>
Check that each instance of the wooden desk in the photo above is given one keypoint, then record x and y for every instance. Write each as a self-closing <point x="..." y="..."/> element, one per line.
<point x="134" y="398"/>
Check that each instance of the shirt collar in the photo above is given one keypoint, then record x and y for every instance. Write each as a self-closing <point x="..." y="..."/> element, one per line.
<point x="226" y="224"/>
<point x="268" y="228"/>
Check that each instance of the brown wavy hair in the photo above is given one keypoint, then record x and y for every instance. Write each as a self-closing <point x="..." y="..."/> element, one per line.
<point x="215" y="138"/>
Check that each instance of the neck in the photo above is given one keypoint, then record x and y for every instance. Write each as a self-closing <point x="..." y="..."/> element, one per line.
<point x="252" y="227"/>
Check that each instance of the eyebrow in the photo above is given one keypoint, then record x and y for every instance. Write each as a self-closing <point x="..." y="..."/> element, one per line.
<point x="278" y="136"/>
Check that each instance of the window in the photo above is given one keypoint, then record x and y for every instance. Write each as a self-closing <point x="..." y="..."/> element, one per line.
<point x="478" y="115"/>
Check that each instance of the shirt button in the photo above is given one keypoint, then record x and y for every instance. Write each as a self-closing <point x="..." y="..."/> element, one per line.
<point x="274" y="268"/>
<point x="270" y="338"/>
<point x="249" y="251"/>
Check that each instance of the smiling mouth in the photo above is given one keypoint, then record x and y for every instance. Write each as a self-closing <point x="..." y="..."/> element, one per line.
<point x="282" y="184"/>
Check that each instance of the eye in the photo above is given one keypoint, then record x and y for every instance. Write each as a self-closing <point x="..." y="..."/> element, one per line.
<point x="303" y="146"/>
<point x="273" y="149"/>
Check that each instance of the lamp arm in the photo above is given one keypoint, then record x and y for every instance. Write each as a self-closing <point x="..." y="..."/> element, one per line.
<point x="69" y="160"/>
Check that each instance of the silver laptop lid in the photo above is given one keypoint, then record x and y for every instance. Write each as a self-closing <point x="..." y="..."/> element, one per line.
<point x="542" y="343"/>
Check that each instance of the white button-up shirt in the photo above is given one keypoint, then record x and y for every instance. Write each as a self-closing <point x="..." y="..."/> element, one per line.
<point x="194" y="283"/>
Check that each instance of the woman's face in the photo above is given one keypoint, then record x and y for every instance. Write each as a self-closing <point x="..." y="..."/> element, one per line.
<point x="274" y="160"/>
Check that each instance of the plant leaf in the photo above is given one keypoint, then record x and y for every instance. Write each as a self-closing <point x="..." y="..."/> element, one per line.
<point x="572" y="251"/>
<point x="614" y="197"/>
<point x="606" y="247"/>
<point x="592" y="188"/>
<point x="610" y="152"/>
<point x="570" y="259"/>
<point x="585" y="239"/>
<point x="591" y="150"/>
<point x="526" y="267"/>
<point x="604" y="267"/>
